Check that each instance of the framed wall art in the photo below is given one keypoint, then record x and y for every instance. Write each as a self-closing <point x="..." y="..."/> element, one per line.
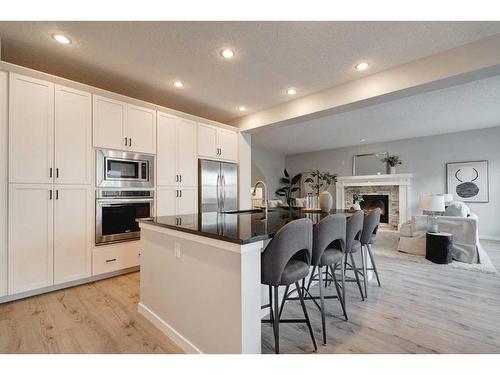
<point x="468" y="181"/>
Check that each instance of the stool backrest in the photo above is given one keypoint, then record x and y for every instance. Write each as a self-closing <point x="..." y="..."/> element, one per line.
<point x="294" y="238"/>
<point x="354" y="229"/>
<point x="329" y="232"/>
<point x="370" y="226"/>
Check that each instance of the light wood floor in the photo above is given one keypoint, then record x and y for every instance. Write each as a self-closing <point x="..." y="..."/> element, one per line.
<point x="419" y="309"/>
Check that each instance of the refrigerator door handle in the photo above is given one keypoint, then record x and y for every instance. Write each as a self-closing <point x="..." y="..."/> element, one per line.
<point x="218" y="192"/>
<point x="223" y="182"/>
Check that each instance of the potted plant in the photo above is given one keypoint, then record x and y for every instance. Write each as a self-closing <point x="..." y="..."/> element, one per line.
<point x="392" y="161"/>
<point x="322" y="180"/>
<point x="289" y="186"/>
<point x="357" y="198"/>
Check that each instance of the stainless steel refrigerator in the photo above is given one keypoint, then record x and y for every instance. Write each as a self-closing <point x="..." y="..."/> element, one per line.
<point x="218" y="186"/>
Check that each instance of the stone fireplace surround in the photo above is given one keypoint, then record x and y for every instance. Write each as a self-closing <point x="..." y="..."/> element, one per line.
<point x="396" y="186"/>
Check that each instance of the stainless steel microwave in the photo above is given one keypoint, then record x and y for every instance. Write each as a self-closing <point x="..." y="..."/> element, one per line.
<point x="120" y="169"/>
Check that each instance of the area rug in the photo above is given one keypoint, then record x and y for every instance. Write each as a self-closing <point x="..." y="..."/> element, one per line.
<point x="387" y="246"/>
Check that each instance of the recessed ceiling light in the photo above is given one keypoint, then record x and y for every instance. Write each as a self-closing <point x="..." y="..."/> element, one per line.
<point x="291" y="91"/>
<point x="362" y="140"/>
<point x="61" y="39"/>
<point x="178" y="84"/>
<point x="242" y="108"/>
<point x="227" y="53"/>
<point x="362" y="66"/>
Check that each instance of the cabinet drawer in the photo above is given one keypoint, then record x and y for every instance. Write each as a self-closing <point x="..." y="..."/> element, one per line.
<point x="115" y="257"/>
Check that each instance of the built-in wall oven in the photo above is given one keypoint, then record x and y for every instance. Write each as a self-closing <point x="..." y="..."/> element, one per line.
<point x="119" y="169"/>
<point x="117" y="211"/>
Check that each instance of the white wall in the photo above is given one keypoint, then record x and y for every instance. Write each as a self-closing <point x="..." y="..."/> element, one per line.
<point x="426" y="158"/>
<point x="3" y="183"/>
<point x="267" y="166"/>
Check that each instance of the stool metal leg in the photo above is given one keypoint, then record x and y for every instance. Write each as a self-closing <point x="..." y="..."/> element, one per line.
<point x="299" y="291"/>
<point x="276" y="323"/>
<point x="363" y="260"/>
<point x="322" y="299"/>
<point x="271" y="315"/>
<point x="373" y="262"/>
<point x="342" y="266"/>
<point x="284" y="299"/>
<point x="354" y="267"/>
<point x="339" y="292"/>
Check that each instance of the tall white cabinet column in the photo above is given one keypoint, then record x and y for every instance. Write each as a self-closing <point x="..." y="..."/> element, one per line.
<point x="3" y="181"/>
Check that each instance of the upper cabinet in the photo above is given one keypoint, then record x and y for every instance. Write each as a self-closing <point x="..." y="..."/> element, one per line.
<point x="72" y="153"/>
<point x="122" y="126"/>
<point x="176" y="151"/>
<point x="217" y="143"/>
<point x="31" y="130"/>
<point x="49" y="133"/>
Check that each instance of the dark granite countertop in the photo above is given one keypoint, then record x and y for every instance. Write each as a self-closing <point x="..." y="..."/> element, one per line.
<point x="240" y="228"/>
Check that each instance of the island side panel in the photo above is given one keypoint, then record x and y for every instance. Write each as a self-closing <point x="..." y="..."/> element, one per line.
<point x="205" y="300"/>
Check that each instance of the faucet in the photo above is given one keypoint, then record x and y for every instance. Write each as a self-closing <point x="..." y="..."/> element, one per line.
<point x="264" y="194"/>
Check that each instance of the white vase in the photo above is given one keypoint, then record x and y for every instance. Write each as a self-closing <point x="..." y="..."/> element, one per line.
<point x="325" y="201"/>
<point x="392" y="170"/>
<point x="356" y="206"/>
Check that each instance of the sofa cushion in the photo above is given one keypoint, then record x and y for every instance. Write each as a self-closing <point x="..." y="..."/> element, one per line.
<point x="459" y="209"/>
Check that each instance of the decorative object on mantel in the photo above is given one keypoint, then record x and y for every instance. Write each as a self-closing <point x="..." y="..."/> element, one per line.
<point x="322" y="180"/>
<point x="468" y="181"/>
<point x="392" y="161"/>
<point x="289" y="186"/>
<point x="432" y="204"/>
<point x="357" y="198"/>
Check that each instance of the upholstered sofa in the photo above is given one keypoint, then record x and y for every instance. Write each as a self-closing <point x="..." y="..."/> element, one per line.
<point x="458" y="220"/>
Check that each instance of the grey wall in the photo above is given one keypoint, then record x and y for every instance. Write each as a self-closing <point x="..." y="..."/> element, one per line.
<point x="267" y="166"/>
<point x="426" y="158"/>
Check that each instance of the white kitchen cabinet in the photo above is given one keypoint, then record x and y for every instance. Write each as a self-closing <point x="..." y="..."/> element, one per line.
<point x="72" y="124"/>
<point x="115" y="257"/>
<point x="31" y="130"/>
<point x="141" y="129"/>
<point x="217" y="143"/>
<point x="110" y="123"/>
<point x="176" y="151"/>
<point x="31" y="252"/>
<point x="72" y="232"/>
<point x="121" y="126"/>
<point x="176" y="201"/>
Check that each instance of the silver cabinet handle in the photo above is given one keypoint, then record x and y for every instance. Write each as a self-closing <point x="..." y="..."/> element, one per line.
<point x="50" y="194"/>
<point x="57" y="194"/>
<point x="176" y="178"/>
<point x="50" y="172"/>
<point x="57" y="172"/>
<point x="110" y="260"/>
<point x="126" y="141"/>
<point x="220" y="151"/>
<point x="130" y="142"/>
<point x="180" y="178"/>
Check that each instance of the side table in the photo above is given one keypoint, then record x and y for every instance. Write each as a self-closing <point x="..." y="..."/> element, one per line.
<point x="438" y="247"/>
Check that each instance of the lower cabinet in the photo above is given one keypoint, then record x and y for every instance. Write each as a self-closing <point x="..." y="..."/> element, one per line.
<point x="115" y="257"/>
<point x="176" y="201"/>
<point x="49" y="235"/>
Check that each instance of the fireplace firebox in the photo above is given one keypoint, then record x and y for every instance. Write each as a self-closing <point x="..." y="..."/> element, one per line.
<point x="371" y="202"/>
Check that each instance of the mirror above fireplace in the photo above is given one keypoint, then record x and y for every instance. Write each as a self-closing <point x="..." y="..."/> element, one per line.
<point x="369" y="164"/>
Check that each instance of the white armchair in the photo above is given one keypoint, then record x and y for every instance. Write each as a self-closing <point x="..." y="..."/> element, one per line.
<point x="464" y="229"/>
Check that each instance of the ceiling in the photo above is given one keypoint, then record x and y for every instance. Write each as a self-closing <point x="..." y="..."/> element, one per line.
<point x="464" y="107"/>
<point x="142" y="59"/>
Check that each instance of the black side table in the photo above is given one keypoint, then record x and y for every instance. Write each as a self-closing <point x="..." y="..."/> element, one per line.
<point x="438" y="247"/>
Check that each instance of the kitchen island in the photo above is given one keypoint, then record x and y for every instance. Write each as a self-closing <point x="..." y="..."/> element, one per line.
<point x="200" y="277"/>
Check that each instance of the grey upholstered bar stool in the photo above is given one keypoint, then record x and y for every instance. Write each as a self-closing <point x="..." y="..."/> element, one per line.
<point x="368" y="236"/>
<point x="285" y="261"/>
<point x="354" y="230"/>
<point x="328" y="252"/>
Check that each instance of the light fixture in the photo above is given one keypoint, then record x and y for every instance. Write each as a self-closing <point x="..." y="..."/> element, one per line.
<point x="227" y="53"/>
<point x="242" y="108"/>
<point x="362" y="140"/>
<point x="61" y="39"/>
<point x="362" y="66"/>
<point x="178" y="84"/>
<point x="291" y="91"/>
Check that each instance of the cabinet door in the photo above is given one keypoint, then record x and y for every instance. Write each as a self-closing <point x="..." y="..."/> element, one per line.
<point x="73" y="144"/>
<point x="166" y="157"/>
<point x="72" y="233"/>
<point x="141" y="129"/>
<point x="207" y="141"/>
<point x="186" y="153"/>
<point x="166" y="201"/>
<point x="30" y="237"/>
<point x="186" y="203"/>
<point x="228" y="144"/>
<point x="31" y="130"/>
<point x="109" y="123"/>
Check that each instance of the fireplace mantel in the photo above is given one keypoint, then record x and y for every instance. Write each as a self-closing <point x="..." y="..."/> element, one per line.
<point x="402" y="180"/>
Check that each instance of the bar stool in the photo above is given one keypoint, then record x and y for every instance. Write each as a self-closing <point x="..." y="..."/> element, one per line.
<point x="328" y="251"/>
<point x="354" y="229"/>
<point x="285" y="261"/>
<point x="368" y="236"/>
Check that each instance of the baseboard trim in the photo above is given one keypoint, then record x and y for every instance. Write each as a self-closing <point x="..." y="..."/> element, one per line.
<point x="489" y="238"/>
<point x="69" y="284"/>
<point x="168" y="330"/>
